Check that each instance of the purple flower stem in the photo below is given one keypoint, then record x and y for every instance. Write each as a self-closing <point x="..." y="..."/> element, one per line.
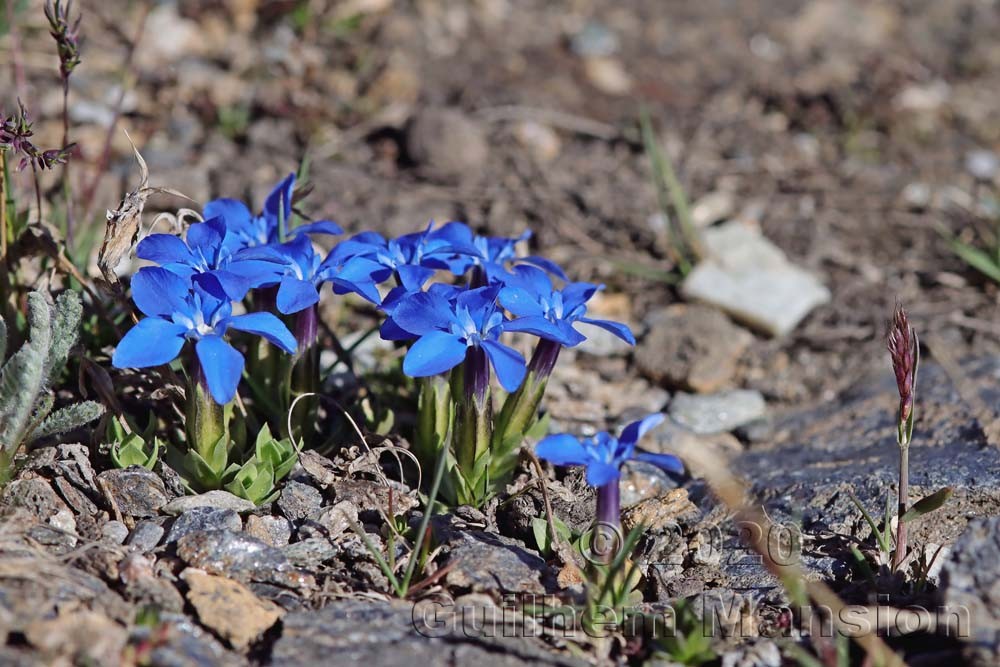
<point x="607" y="531"/>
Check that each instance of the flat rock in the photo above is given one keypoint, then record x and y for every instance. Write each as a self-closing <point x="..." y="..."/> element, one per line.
<point x="133" y="491"/>
<point x="145" y="536"/>
<point x="274" y="530"/>
<point x="34" y="495"/>
<point x="298" y="501"/>
<point x="970" y="582"/>
<point x="204" y="518"/>
<point x="229" y="608"/>
<point x="691" y="347"/>
<point x="848" y="446"/>
<point x="398" y="634"/>
<point x="180" y="642"/>
<point x="240" y="557"/>
<point x="483" y="561"/>
<point x="717" y="413"/>
<point x="750" y="278"/>
<point x="80" y="637"/>
<point x="218" y="499"/>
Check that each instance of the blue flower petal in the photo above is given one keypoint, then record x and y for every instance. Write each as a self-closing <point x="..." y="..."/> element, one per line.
<point x="392" y="331"/>
<point x="422" y="313"/>
<point x="319" y="227"/>
<point x="278" y="205"/>
<point x="600" y="473"/>
<point x="257" y="272"/>
<point x="157" y="291"/>
<point x="206" y="238"/>
<point x="163" y="249"/>
<point x="633" y="433"/>
<point x="151" y="342"/>
<point x="233" y="212"/>
<point x="617" y="328"/>
<point x="435" y="352"/>
<point x="267" y="326"/>
<point x="413" y="277"/>
<point x="365" y="289"/>
<point x="508" y="363"/>
<point x="577" y="294"/>
<point x="546" y="264"/>
<point x="222" y="366"/>
<point x="563" y="450"/>
<point x="223" y="284"/>
<point x="667" y="462"/>
<point x="520" y="302"/>
<point x="541" y="327"/>
<point x="295" y="294"/>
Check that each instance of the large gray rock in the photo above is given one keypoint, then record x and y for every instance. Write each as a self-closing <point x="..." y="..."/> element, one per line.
<point x="819" y="456"/>
<point x="354" y="632"/>
<point x="751" y="279"/>
<point x="240" y="557"/>
<point x="970" y="587"/>
<point x="717" y="413"/>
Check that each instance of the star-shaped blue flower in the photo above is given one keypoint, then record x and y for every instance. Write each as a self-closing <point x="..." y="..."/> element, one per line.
<point x="177" y="311"/>
<point x="604" y="455"/>
<point x="467" y="250"/>
<point x="268" y="227"/>
<point x="549" y="313"/>
<point x="303" y="273"/>
<point x="411" y="257"/>
<point x="446" y="323"/>
<point x="208" y="255"/>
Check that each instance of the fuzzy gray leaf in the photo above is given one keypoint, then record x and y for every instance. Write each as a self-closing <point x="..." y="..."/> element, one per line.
<point x="68" y="418"/>
<point x="20" y="383"/>
<point x="65" y="332"/>
<point x="40" y="322"/>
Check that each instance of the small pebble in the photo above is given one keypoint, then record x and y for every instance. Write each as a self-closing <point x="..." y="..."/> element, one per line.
<point x="114" y="532"/>
<point x="145" y="536"/>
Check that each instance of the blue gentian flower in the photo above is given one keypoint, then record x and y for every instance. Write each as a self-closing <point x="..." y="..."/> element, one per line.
<point x="177" y="311"/>
<point x="303" y="273"/>
<point x="604" y="455"/>
<point x="446" y="328"/>
<point x="271" y="226"/>
<point x="208" y="255"/>
<point x="550" y="313"/>
<point x="491" y="253"/>
<point x="410" y="258"/>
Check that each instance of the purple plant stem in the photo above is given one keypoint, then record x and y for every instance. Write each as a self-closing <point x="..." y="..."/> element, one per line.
<point x="607" y="531"/>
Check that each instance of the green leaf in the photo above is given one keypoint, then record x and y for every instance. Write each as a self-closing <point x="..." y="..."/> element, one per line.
<point x="974" y="257"/>
<point x="928" y="504"/>
<point x="132" y="452"/>
<point x="68" y="418"/>
<point x="540" y="528"/>
<point x="882" y="538"/>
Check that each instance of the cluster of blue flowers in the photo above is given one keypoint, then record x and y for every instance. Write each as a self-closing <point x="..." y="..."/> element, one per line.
<point x="190" y="295"/>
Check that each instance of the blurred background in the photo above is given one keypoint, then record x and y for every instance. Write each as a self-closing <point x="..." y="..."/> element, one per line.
<point x="825" y="158"/>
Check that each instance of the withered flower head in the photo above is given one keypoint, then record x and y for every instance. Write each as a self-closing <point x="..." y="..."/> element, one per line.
<point x="901" y="340"/>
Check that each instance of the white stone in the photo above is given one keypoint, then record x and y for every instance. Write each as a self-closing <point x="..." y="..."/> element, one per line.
<point x="750" y="278"/>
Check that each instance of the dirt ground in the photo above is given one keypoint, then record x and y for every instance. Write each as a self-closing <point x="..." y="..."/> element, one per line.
<point x="842" y="128"/>
<point x="853" y="133"/>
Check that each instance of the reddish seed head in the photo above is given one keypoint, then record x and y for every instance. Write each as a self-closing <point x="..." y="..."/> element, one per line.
<point x="901" y="340"/>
